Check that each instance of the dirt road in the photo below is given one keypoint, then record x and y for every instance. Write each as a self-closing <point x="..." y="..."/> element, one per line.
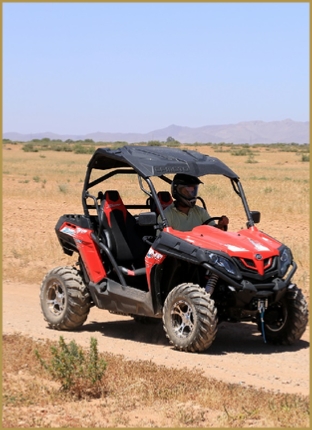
<point x="238" y="355"/>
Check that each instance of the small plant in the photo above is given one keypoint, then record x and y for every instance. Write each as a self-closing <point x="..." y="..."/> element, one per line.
<point x="36" y="178"/>
<point x="63" y="188"/>
<point x="251" y="159"/>
<point x="305" y="157"/>
<point x="79" y="374"/>
<point x="242" y="152"/>
<point x="16" y="253"/>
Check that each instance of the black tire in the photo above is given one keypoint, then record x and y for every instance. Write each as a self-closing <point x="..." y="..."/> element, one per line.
<point x="286" y="321"/>
<point x="64" y="299"/>
<point x="190" y="318"/>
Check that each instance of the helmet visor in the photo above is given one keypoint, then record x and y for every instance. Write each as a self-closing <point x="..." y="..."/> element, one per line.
<point x="188" y="191"/>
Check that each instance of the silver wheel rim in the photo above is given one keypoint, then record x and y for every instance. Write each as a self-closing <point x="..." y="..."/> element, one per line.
<point x="56" y="298"/>
<point x="182" y="319"/>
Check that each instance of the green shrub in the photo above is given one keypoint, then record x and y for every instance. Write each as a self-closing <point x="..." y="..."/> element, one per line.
<point x="305" y="157"/>
<point x="241" y="152"/>
<point x="29" y="147"/>
<point x="82" y="149"/>
<point x="62" y="148"/>
<point x="79" y="373"/>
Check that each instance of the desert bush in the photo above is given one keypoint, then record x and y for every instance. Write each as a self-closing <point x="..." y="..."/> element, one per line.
<point x="62" y="148"/>
<point x="241" y="152"/>
<point x="305" y="157"/>
<point x="83" y="149"/>
<point x="29" y="147"/>
<point x="251" y="159"/>
<point x="78" y="373"/>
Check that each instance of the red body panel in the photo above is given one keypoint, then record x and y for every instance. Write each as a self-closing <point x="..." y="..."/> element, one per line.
<point x="88" y="250"/>
<point x="152" y="257"/>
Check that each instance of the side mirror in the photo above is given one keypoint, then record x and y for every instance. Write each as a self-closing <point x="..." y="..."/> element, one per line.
<point x="255" y="215"/>
<point x="146" y="219"/>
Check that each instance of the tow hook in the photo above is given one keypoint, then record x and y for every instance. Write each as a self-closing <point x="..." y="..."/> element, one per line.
<point x="262" y="306"/>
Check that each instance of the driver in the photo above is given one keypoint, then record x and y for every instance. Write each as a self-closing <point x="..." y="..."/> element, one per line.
<point x="183" y="214"/>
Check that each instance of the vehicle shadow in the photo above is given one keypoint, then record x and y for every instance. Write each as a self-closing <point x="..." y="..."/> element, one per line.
<point x="231" y="337"/>
<point x="246" y="338"/>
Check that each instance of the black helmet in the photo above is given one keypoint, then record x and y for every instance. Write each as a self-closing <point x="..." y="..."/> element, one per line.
<point x="184" y="189"/>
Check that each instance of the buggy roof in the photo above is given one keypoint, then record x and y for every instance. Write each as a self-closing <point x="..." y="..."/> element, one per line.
<point x="159" y="160"/>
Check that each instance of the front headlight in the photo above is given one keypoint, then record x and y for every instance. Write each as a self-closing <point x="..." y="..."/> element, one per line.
<point x="222" y="263"/>
<point x="285" y="260"/>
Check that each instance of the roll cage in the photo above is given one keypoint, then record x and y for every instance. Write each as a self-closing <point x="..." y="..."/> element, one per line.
<point x="148" y="162"/>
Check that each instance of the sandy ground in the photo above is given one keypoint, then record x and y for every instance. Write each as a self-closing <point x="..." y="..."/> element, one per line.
<point x="238" y="355"/>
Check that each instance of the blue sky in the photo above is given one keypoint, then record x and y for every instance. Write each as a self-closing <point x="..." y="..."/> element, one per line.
<point x="78" y="68"/>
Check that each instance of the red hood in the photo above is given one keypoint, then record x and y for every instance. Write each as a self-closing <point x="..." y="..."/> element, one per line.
<point x="245" y="244"/>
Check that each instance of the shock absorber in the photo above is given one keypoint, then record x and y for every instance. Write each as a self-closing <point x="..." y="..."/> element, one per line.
<point x="211" y="282"/>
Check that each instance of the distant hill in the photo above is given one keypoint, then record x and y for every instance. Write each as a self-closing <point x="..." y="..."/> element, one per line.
<point x="286" y="131"/>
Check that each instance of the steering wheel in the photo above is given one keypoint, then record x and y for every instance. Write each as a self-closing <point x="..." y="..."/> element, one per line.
<point x="215" y="218"/>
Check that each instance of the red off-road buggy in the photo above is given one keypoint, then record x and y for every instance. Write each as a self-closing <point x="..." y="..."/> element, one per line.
<point x="129" y="263"/>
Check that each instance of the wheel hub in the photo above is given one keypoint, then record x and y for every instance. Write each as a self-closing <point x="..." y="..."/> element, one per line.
<point x="182" y="319"/>
<point x="56" y="298"/>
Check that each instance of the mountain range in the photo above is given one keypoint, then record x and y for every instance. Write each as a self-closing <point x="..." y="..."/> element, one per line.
<point x="251" y="132"/>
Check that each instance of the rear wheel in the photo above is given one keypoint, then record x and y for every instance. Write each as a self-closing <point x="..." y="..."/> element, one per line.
<point x="64" y="299"/>
<point x="190" y="318"/>
<point x="286" y="321"/>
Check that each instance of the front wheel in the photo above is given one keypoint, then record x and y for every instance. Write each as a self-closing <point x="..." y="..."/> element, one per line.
<point x="64" y="299"/>
<point x="190" y="318"/>
<point x="285" y="321"/>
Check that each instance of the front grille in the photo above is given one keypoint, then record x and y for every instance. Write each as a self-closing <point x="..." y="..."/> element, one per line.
<point x="248" y="268"/>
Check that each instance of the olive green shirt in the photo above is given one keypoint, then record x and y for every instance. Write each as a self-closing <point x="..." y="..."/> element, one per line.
<point x="185" y="222"/>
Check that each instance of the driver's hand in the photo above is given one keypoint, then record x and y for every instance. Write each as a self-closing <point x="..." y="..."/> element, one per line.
<point x="223" y="222"/>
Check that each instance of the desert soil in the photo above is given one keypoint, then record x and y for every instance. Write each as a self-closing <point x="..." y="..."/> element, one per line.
<point x="238" y="355"/>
